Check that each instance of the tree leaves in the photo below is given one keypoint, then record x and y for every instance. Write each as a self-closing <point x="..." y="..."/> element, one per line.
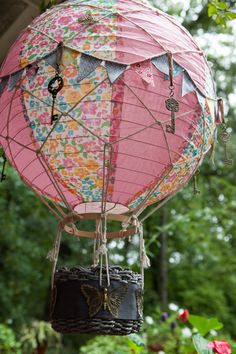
<point x="220" y="12"/>
<point x="204" y="325"/>
<point x="44" y="5"/>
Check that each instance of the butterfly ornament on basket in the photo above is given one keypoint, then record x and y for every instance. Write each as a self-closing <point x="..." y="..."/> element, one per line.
<point x="108" y="299"/>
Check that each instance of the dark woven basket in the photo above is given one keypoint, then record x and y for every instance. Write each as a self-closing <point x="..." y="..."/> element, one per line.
<point x="80" y="305"/>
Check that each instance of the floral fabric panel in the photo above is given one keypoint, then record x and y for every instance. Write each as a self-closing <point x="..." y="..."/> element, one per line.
<point x="144" y="70"/>
<point x="75" y="148"/>
<point x="36" y="47"/>
<point x="98" y="39"/>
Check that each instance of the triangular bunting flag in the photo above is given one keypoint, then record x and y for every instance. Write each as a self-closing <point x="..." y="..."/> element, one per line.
<point x="54" y="58"/>
<point x="201" y="100"/>
<point x="144" y="69"/>
<point x="187" y="84"/>
<point x="51" y="59"/>
<point x="210" y="85"/>
<point x="3" y="84"/>
<point x="14" y="78"/>
<point x="166" y="77"/>
<point x="114" y="70"/>
<point x="211" y="105"/>
<point x="87" y="65"/>
<point x="162" y="64"/>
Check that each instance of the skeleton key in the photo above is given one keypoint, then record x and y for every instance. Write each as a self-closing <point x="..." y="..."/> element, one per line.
<point x="173" y="106"/>
<point x="54" y="86"/>
<point x="225" y="137"/>
<point x="3" y="175"/>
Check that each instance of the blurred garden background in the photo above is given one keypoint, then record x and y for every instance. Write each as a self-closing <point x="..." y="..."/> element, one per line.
<point x="191" y="241"/>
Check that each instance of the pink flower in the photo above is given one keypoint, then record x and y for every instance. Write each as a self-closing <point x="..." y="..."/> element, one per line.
<point x="89" y="108"/>
<point x="64" y="20"/>
<point x="220" y="347"/>
<point x="43" y="43"/>
<point x="45" y="92"/>
<point x="40" y="80"/>
<point x="97" y="45"/>
<point x="74" y="26"/>
<point x="36" y="39"/>
<point x="45" y="118"/>
<point x="68" y="163"/>
<point x="58" y="34"/>
<point x="53" y="26"/>
<point x="183" y="316"/>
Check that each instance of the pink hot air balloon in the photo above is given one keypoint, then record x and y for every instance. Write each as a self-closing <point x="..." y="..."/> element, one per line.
<point x="106" y="107"/>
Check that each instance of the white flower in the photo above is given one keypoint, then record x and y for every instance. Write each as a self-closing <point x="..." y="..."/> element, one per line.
<point x="213" y="332"/>
<point x="186" y="332"/>
<point x="149" y="320"/>
<point x="173" y="307"/>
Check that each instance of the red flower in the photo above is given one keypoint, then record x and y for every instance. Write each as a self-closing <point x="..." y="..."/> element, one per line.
<point x="183" y="316"/>
<point x="220" y="347"/>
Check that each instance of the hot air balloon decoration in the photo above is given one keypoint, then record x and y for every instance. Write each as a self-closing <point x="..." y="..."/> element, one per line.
<point x="106" y="108"/>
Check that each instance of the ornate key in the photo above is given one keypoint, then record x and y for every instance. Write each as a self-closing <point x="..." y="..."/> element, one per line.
<point x="225" y="137"/>
<point x="54" y="86"/>
<point x="173" y="106"/>
<point x="3" y="175"/>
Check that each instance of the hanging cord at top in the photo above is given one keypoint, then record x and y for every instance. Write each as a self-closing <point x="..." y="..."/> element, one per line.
<point x="171" y="103"/>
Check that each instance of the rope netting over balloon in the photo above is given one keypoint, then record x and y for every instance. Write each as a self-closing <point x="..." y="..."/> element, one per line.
<point x="106" y="108"/>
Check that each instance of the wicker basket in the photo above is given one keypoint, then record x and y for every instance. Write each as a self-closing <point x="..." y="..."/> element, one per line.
<point x="79" y="304"/>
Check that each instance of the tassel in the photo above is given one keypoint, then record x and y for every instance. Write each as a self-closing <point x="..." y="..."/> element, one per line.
<point x="146" y="259"/>
<point x="225" y="137"/>
<point x="212" y="153"/>
<point x="195" y="188"/>
<point x="51" y="255"/>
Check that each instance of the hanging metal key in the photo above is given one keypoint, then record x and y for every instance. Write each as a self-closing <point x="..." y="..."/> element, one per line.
<point x="173" y="106"/>
<point x="54" y="86"/>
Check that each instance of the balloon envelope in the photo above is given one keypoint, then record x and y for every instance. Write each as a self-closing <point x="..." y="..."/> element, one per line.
<point x="110" y="145"/>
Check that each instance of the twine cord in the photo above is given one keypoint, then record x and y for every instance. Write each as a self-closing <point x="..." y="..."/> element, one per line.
<point x="53" y="254"/>
<point x="144" y="259"/>
<point x="100" y="250"/>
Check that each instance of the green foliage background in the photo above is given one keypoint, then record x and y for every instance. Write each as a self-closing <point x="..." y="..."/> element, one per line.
<point x="201" y="230"/>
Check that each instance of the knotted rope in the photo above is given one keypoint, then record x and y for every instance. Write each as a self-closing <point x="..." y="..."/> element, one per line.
<point x="100" y="248"/>
<point x="144" y="259"/>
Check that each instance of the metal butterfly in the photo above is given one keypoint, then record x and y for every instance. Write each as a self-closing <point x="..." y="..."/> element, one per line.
<point x="109" y="299"/>
<point x="87" y="19"/>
